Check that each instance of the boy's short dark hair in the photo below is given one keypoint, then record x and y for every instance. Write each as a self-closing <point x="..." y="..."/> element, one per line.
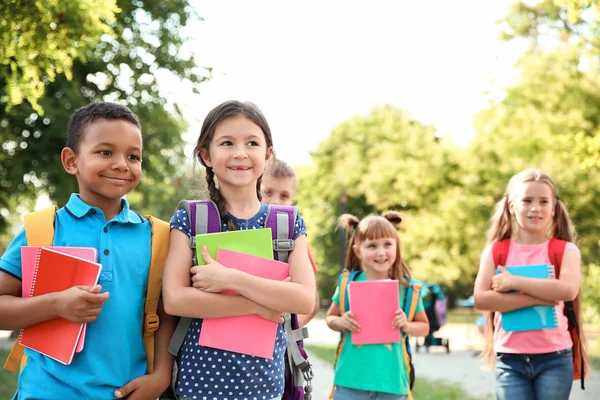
<point x="280" y="169"/>
<point x="93" y="112"/>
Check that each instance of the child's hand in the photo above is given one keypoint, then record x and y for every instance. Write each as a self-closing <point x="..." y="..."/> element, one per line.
<point x="502" y="282"/>
<point x="272" y="315"/>
<point x="400" y="321"/>
<point x="147" y="387"/>
<point x="81" y="304"/>
<point x="212" y="277"/>
<point x="348" y="323"/>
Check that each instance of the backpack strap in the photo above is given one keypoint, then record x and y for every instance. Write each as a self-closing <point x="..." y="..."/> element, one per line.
<point x="159" y="250"/>
<point x="204" y="217"/>
<point x="500" y="252"/>
<point x="411" y="301"/>
<point x="556" y="251"/>
<point x="39" y="230"/>
<point x="343" y="281"/>
<point x="281" y="220"/>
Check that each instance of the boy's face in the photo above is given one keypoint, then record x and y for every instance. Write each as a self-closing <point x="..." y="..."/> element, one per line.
<point x="108" y="164"/>
<point x="278" y="190"/>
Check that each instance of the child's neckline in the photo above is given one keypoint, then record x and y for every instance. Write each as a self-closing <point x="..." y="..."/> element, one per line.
<point x="530" y="244"/>
<point x="240" y="222"/>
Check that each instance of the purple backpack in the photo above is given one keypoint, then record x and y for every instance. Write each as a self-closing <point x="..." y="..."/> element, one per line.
<point x="205" y="218"/>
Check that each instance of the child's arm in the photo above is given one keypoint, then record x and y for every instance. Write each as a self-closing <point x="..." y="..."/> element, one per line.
<point x="152" y="385"/>
<point x="563" y="289"/>
<point x="79" y="304"/>
<point x="183" y="300"/>
<point x="297" y="296"/>
<point x="339" y="323"/>
<point x="486" y="299"/>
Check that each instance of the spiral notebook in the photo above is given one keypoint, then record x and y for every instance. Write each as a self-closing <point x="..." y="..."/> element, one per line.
<point x="258" y="334"/>
<point x="374" y="305"/>
<point x="29" y="255"/>
<point x="534" y="317"/>
<point x="54" y="272"/>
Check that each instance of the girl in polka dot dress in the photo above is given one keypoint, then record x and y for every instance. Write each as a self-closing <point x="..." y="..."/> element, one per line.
<point x="234" y="146"/>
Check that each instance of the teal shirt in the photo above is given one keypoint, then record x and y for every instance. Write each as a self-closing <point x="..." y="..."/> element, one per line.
<point x="372" y="367"/>
<point x="114" y="352"/>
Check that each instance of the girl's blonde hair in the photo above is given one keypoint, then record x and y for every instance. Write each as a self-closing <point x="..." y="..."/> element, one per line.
<point x="374" y="227"/>
<point x="561" y="228"/>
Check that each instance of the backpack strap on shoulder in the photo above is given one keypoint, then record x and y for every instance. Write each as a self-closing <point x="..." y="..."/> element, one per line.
<point x="159" y="250"/>
<point x="204" y="218"/>
<point x="411" y="300"/>
<point x="500" y="252"/>
<point x="39" y="230"/>
<point x="281" y="220"/>
<point x="345" y="278"/>
<point x="556" y="251"/>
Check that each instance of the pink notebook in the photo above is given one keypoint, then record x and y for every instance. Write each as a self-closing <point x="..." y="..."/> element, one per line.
<point x="246" y="334"/>
<point x="374" y="305"/>
<point x="29" y="256"/>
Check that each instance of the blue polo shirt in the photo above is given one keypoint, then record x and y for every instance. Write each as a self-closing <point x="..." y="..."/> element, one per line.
<point x="114" y="352"/>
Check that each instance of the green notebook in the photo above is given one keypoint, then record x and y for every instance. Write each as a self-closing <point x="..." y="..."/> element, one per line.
<point x="254" y="242"/>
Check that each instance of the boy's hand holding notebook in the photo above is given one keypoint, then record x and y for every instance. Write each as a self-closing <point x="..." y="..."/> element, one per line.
<point x="53" y="272"/>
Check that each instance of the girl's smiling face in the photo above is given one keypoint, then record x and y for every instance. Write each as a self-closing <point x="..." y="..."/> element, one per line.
<point x="238" y="152"/>
<point x="377" y="255"/>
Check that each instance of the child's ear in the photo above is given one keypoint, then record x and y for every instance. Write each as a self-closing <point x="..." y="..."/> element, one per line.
<point x="269" y="154"/>
<point x="69" y="161"/>
<point x="205" y="155"/>
<point x="356" y="250"/>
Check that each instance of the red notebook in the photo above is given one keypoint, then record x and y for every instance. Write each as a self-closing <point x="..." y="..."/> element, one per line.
<point x="246" y="334"/>
<point x="29" y="255"/>
<point x="374" y="305"/>
<point x="54" y="272"/>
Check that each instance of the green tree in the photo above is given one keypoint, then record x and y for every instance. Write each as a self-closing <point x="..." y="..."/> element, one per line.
<point x="41" y="39"/>
<point x="125" y="68"/>
<point x="370" y="164"/>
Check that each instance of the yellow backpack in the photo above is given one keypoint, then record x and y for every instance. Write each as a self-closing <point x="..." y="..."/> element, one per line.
<point x="39" y="229"/>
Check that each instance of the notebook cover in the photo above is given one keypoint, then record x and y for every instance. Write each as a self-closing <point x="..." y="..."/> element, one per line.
<point x="255" y="242"/>
<point x="374" y="305"/>
<point x="29" y="256"/>
<point x="246" y="334"/>
<point x="55" y="271"/>
<point x="534" y="317"/>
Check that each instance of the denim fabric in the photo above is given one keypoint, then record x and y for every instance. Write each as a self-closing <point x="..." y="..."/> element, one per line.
<point x="344" y="393"/>
<point x="546" y="376"/>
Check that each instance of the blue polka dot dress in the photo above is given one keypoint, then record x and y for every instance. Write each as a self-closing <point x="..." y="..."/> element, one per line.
<point x="206" y="373"/>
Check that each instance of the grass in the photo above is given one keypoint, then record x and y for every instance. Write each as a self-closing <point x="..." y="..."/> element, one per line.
<point x="8" y="380"/>
<point x="424" y="389"/>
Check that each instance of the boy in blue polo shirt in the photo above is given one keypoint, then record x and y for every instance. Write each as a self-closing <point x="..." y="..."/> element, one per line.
<point x="104" y="152"/>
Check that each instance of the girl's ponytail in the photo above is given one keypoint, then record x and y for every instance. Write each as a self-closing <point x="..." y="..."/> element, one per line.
<point x="393" y="216"/>
<point x="562" y="226"/>
<point x="216" y="196"/>
<point x="349" y="223"/>
<point x="501" y="222"/>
